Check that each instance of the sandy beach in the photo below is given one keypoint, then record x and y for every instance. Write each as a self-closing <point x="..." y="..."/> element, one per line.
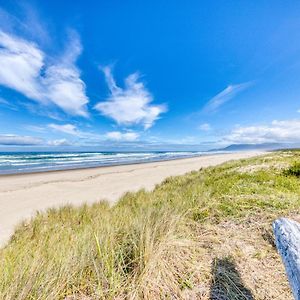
<point x="22" y="195"/>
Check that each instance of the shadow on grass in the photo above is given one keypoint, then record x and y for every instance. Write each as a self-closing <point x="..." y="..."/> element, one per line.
<point x="227" y="283"/>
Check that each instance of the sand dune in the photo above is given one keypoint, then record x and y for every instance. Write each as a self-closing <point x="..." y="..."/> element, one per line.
<point x="22" y="195"/>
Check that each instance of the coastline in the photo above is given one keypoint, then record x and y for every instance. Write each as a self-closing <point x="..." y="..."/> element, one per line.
<point x="23" y="194"/>
<point x="116" y="164"/>
<point x="86" y="163"/>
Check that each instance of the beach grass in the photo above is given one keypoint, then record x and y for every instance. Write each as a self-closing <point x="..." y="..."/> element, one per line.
<point x="203" y="235"/>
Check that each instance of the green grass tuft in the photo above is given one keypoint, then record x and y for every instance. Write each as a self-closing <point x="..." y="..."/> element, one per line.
<point x="294" y="170"/>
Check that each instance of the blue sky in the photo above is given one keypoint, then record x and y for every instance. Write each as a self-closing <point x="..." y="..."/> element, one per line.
<point x="148" y="74"/>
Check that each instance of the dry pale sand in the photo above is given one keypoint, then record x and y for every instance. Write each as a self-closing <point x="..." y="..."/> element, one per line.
<point x="22" y="195"/>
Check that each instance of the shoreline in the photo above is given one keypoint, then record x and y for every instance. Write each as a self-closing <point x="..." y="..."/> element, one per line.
<point x="112" y="165"/>
<point x="123" y="164"/>
<point x="21" y="195"/>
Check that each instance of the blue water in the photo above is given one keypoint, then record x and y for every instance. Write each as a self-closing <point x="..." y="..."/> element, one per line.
<point x="21" y="162"/>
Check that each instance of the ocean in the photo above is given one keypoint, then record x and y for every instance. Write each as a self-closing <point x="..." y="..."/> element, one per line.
<point x="27" y="162"/>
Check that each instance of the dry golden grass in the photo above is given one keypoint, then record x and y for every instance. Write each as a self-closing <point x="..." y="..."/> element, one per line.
<point x="204" y="235"/>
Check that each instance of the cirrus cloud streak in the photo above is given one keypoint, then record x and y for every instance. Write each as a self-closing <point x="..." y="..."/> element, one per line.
<point x="224" y="96"/>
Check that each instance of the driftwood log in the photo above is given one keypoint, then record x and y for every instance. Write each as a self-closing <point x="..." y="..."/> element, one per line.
<point x="287" y="239"/>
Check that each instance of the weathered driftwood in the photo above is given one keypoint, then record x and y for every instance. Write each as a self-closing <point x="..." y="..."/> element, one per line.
<point x="287" y="238"/>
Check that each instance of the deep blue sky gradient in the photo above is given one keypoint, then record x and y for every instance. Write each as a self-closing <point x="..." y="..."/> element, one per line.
<point x="186" y="52"/>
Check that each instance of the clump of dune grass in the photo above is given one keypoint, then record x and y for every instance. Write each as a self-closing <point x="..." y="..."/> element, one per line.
<point x="169" y="243"/>
<point x="99" y="252"/>
<point x="294" y="170"/>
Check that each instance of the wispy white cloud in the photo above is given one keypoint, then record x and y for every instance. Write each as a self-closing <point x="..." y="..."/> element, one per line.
<point x="24" y="69"/>
<point x="36" y="108"/>
<point x="17" y="140"/>
<point x="122" y="136"/>
<point x="32" y="23"/>
<point x="71" y="129"/>
<point x="224" y="96"/>
<point x="85" y="136"/>
<point x="60" y="142"/>
<point x="287" y="131"/>
<point x="7" y="104"/>
<point x="26" y="20"/>
<point x="3" y="101"/>
<point x="130" y="105"/>
<point x="21" y="62"/>
<point x="205" y="127"/>
<point x="66" y="128"/>
<point x="35" y="128"/>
